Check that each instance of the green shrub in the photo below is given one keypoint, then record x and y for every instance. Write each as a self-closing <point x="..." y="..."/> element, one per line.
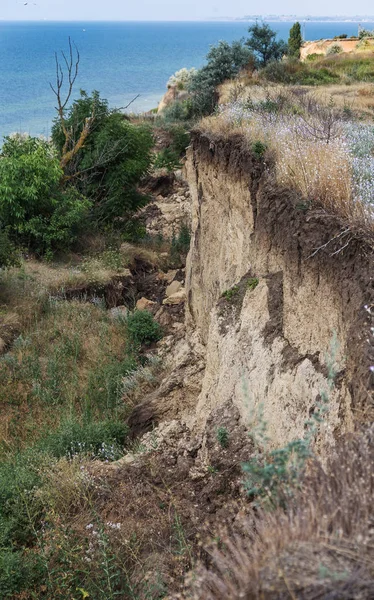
<point x="115" y="156"/>
<point x="19" y="507"/>
<point x="181" y="242"/>
<point x="364" y="33"/>
<point x="20" y="570"/>
<point x="180" y="110"/>
<point x="314" y="56"/>
<point x="8" y="253"/>
<point x="259" y="149"/>
<point x="321" y="76"/>
<point x="252" y="283"/>
<point x="168" y="159"/>
<point x="104" y="389"/>
<point x="179" y="248"/>
<point x="278" y="72"/>
<point x="224" y="62"/>
<point x="33" y="206"/>
<point x="295" y="72"/>
<point x="180" y="138"/>
<point x="334" y="49"/>
<point x="134" y="230"/>
<point x="273" y="476"/>
<point x="231" y="293"/>
<point x="277" y="473"/>
<point x="223" y="437"/>
<point x="103" y="440"/>
<point x="142" y="329"/>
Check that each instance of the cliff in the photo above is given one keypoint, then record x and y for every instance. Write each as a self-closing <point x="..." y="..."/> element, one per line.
<point x="347" y="45"/>
<point x="274" y="298"/>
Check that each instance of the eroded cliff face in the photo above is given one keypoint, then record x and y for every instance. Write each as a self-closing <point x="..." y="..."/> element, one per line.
<point x="293" y="288"/>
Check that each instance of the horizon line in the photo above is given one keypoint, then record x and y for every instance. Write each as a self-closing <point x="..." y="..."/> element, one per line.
<point x="346" y="18"/>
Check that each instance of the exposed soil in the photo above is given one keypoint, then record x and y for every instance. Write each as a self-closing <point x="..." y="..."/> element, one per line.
<point x="308" y="236"/>
<point x="178" y="495"/>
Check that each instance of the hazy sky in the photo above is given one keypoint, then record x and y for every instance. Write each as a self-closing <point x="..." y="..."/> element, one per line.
<point x="172" y="9"/>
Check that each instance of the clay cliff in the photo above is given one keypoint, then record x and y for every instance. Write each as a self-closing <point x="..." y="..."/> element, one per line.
<point x="273" y="297"/>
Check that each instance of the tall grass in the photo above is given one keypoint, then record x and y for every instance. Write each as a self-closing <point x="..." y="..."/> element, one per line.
<point x="62" y="396"/>
<point x="320" y="546"/>
<point x="312" y="148"/>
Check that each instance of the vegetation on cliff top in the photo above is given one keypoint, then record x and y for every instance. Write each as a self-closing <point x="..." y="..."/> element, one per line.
<point x="316" y="151"/>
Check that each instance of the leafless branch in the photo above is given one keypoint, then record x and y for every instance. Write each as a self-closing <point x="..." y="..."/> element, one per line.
<point x="71" y="65"/>
<point x="129" y="104"/>
<point x="336" y="237"/>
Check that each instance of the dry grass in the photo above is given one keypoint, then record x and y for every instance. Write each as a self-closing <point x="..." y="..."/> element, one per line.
<point x="307" y="151"/>
<point x="320" y="547"/>
<point x="357" y="97"/>
<point x="67" y="488"/>
<point x="25" y="291"/>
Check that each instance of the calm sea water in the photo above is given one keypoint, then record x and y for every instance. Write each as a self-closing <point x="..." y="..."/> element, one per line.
<point x="118" y="59"/>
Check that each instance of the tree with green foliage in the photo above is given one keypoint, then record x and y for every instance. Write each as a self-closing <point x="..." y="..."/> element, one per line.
<point x="224" y="62"/>
<point x="295" y="41"/>
<point x="8" y="253"/>
<point x="263" y="43"/>
<point x="365" y="33"/>
<point x="101" y="152"/>
<point x="114" y="157"/>
<point x="34" y="208"/>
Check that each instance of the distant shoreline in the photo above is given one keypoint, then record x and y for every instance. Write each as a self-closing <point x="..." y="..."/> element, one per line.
<point x="246" y="19"/>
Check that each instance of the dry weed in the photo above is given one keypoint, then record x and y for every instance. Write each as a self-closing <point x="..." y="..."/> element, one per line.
<point x="310" y="147"/>
<point x="319" y="547"/>
<point x="67" y="488"/>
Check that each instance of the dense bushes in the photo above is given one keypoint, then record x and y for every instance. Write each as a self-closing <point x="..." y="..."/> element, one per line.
<point x="45" y="199"/>
<point x="109" y="166"/>
<point x="33" y="205"/>
<point x="224" y="62"/>
<point x="102" y="439"/>
<point x="336" y="67"/>
<point x="170" y="157"/>
<point x="8" y="254"/>
<point x="294" y="72"/>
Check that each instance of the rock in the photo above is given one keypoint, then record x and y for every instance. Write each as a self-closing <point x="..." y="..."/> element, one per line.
<point x="169" y="276"/>
<point x="171" y="96"/>
<point x="173" y="288"/>
<point x="128" y="459"/>
<point x="145" y="304"/>
<point x="119" y="311"/>
<point x="176" y="298"/>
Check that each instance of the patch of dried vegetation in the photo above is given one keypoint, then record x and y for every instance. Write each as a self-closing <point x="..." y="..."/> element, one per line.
<point x="305" y="148"/>
<point x="356" y="98"/>
<point x="320" y="546"/>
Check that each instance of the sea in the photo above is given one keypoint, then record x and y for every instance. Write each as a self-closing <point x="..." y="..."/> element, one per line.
<point x="120" y="59"/>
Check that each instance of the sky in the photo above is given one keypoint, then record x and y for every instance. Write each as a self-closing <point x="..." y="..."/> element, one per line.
<point x="162" y="10"/>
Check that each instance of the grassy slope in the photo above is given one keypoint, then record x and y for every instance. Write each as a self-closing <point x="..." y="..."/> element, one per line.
<point x="61" y="395"/>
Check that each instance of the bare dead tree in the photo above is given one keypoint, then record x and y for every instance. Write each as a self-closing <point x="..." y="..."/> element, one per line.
<point x="318" y="121"/>
<point x="70" y="65"/>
